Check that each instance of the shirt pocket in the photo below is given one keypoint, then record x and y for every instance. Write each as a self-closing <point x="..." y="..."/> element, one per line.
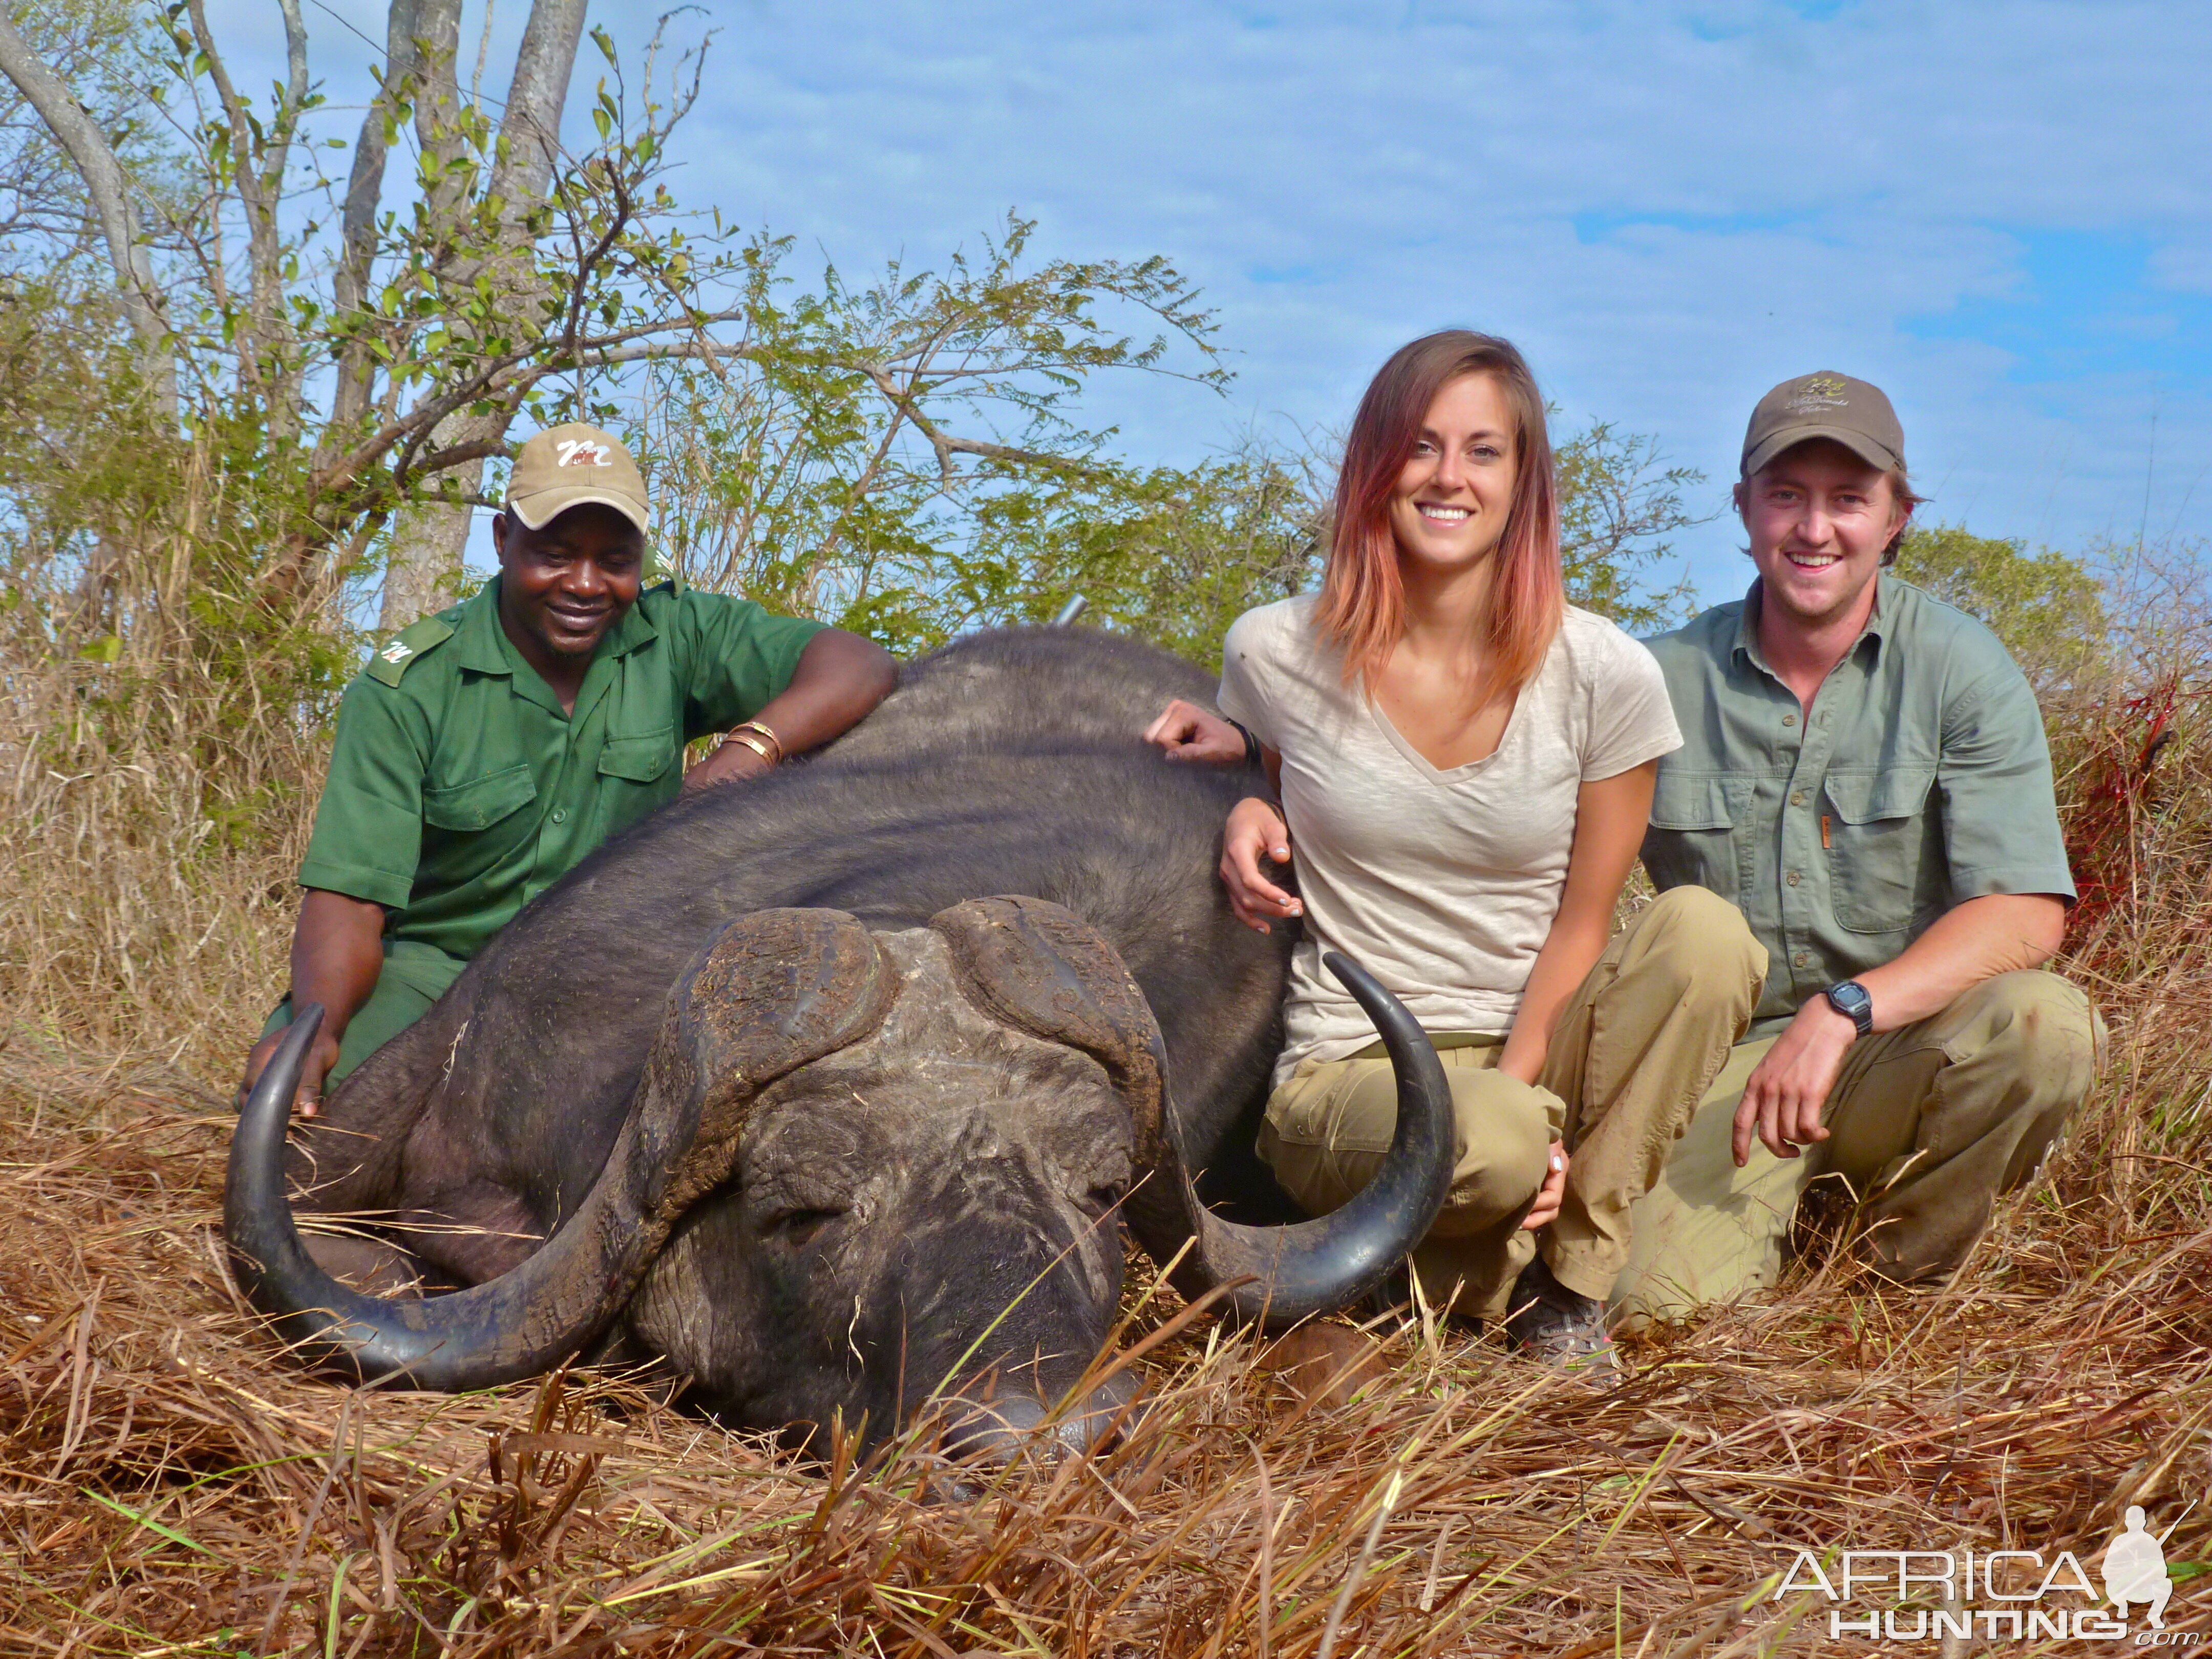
<point x="638" y="757"/>
<point x="479" y="803"/>
<point x="1693" y="839"/>
<point x="1875" y="848"/>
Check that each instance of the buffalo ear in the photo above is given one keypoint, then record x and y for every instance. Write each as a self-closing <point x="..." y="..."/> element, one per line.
<point x="1031" y="965"/>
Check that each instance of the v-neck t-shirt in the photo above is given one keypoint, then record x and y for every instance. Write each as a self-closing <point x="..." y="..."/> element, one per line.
<point x="1441" y="884"/>
<point x="460" y="788"/>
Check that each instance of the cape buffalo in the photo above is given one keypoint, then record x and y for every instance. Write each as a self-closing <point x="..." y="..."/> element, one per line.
<point x="774" y="1087"/>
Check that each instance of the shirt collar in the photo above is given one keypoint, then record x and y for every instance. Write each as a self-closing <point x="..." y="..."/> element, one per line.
<point x="484" y="643"/>
<point x="1745" y="644"/>
<point x="485" y="647"/>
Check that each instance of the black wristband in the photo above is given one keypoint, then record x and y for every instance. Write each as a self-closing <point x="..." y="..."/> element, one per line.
<point x="1251" y="743"/>
<point x="1849" y="998"/>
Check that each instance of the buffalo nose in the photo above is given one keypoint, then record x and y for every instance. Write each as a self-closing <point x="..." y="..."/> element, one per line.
<point x="999" y="1431"/>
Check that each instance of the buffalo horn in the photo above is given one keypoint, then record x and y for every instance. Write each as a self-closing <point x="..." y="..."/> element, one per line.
<point x="774" y="991"/>
<point x="1316" y="1267"/>
<point x="1043" y="969"/>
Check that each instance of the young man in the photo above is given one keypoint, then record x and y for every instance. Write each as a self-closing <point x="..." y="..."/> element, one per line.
<point x="1864" y="776"/>
<point x="485" y="750"/>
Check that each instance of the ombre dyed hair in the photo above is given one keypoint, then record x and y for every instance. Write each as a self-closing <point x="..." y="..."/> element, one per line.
<point x="1363" y="597"/>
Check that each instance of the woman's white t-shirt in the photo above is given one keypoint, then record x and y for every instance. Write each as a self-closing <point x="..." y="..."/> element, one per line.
<point x="1442" y="884"/>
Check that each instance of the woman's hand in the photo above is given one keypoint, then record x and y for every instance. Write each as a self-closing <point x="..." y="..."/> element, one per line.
<point x="1186" y="732"/>
<point x="1546" y="1210"/>
<point x="1255" y="829"/>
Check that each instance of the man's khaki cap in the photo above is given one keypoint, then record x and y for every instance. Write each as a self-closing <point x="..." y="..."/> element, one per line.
<point x="1825" y="405"/>
<point x="570" y="465"/>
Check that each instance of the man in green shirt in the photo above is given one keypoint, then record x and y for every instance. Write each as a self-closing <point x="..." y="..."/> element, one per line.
<point x="1864" y="777"/>
<point x="485" y="750"/>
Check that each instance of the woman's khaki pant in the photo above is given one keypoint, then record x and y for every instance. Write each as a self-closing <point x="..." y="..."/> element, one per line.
<point x="1631" y="1055"/>
<point x="1927" y="1125"/>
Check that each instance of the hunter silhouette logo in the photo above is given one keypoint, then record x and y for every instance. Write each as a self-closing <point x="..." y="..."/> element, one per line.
<point x="2135" y="1569"/>
<point x="1936" y="1596"/>
<point x="581" y="451"/>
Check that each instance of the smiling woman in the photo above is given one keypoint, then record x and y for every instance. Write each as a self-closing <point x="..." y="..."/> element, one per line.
<point x="1463" y="765"/>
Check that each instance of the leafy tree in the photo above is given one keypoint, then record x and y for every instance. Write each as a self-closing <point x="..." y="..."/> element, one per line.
<point x="1618" y="505"/>
<point x="2046" y="607"/>
<point x="351" y="366"/>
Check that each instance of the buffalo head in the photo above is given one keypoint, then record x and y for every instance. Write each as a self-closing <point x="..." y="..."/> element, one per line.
<point x="861" y="1168"/>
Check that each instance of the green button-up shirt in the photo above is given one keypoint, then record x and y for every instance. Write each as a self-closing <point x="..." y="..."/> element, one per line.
<point x="459" y="789"/>
<point x="1920" y="779"/>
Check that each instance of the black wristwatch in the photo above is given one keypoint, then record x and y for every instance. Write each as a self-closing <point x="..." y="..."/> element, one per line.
<point x="1849" y="999"/>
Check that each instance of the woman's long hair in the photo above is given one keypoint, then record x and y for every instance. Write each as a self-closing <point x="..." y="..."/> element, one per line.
<point x="1363" y="597"/>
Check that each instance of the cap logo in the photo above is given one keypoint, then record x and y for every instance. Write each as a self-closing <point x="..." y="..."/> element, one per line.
<point x="581" y="451"/>
<point x="1820" y="391"/>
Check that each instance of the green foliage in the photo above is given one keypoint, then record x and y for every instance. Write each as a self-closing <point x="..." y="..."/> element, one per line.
<point x="1619" y="504"/>
<point x="778" y="475"/>
<point x="2046" y="607"/>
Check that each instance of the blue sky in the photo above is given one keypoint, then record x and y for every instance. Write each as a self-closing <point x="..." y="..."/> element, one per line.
<point x="2001" y="213"/>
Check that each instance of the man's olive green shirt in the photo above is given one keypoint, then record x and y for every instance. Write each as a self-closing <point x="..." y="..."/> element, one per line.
<point x="459" y="789"/>
<point x="1920" y="779"/>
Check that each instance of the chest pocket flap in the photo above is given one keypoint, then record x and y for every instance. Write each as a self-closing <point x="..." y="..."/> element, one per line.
<point x="481" y="802"/>
<point x="1871" y="797"/>
<point x="1695" y="800"/>
<point x="641" y="757"/>
<point x="1879" y="847"/>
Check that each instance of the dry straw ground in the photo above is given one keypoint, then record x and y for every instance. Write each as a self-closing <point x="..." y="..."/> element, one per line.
<point x="168" y="1487"/>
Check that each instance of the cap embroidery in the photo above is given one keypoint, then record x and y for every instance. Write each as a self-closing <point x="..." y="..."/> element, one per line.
<point x="581" y="451"/>
<point x="1820" y="391"/>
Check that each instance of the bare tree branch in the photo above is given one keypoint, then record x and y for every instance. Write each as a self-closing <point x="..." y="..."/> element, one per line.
<point x="364" y="195"/>
<point x="143" y="301"/>
<point x="530" y="132"/>
<point x="429" y="537"/>
<point x="437" y="102"/>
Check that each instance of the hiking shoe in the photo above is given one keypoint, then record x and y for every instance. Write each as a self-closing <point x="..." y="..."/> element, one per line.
<point x="1560" y="1328"/>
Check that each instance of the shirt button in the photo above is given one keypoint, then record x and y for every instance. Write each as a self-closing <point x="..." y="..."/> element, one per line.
<point x="1797" y="798"/>
<point x="1791" y="878"/>
<point x="1789" y="720"/>
<point x="560" y="815"/>
<point x="1800" y="959"/>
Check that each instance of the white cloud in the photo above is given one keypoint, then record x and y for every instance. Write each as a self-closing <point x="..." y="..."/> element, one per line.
<point x="1760" y="192"/>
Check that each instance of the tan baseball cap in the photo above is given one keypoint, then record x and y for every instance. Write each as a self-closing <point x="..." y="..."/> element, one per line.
<point x="1825" y="405"/>
<point x="570" y="465"/>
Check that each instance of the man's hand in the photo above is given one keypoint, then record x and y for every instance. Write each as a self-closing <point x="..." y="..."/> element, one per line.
<point x="727" y="764"/>
<point x="1549" y="1196"/>
<point x="1255" y="829"/>
<point x="1186" y="732"/>
<point x="322" y="1055"/>
<point x="1782" y="1101"/>
<point x="337" y="954"/>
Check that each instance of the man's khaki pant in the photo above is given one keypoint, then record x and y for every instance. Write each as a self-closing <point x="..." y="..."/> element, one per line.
<point x="1927" y="1125"/>
<point x="1628" y="1063"/>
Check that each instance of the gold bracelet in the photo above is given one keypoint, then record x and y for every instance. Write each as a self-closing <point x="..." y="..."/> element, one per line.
<point x="759" y="738"/>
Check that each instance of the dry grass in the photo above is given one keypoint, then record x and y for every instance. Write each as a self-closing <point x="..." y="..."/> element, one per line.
<point x="168" y="1487"/>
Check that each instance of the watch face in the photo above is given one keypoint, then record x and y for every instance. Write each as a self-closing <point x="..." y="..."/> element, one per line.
<point x="1851" y="1001"/>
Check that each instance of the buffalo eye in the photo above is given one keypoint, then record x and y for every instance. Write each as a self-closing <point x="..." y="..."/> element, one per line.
<point x="796" y="1228"/>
